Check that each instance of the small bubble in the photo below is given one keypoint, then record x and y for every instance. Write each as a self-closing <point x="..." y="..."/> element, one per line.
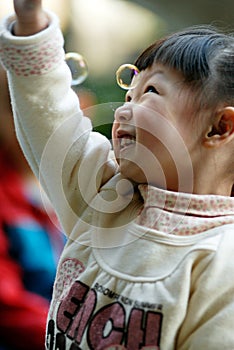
<point x="78" y="67"/>
<point x="125" y="76"/>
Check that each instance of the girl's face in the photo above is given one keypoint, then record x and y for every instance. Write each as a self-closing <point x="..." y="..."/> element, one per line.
<point x="154" y="139"/>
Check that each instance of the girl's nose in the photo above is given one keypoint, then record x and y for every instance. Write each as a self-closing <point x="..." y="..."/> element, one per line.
<point x="123" y="113"/>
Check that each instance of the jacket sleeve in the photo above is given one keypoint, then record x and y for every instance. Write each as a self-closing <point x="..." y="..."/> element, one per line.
<point x="210" y="314"/>
<point x="56" y="138"/>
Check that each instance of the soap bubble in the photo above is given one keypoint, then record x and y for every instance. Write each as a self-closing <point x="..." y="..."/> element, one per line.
<point x="78" y="67"/>
<point x="125" y="75"/>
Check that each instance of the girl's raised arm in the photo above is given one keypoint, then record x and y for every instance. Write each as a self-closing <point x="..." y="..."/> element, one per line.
<point x="50" y="126"/>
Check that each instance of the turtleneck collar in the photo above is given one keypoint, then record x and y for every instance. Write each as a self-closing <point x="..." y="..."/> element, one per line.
<point x="183" y="213"/>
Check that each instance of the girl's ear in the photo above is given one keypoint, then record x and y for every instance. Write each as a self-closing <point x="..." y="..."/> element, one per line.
<point x="222" y="131"/>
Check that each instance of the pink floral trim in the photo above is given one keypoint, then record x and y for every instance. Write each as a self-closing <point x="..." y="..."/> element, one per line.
<point x="69" y="271"/>
<point x="32" y="59"/>
<point x="184" y="214"/>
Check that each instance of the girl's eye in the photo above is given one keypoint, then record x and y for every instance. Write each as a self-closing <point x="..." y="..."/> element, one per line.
<point x="151" y="89"/>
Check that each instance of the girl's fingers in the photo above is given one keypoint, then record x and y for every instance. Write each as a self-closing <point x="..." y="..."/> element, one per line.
<point x="26" y="7"/>
<point x="30" y="17"/>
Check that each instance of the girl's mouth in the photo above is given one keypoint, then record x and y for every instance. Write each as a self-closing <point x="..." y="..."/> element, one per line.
<point x="127" y="140"/>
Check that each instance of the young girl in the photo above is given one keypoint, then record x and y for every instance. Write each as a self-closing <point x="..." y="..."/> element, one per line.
<point x="149" y="259"/>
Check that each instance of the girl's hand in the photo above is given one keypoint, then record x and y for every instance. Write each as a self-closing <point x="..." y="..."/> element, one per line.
<point x="30" y="17"/>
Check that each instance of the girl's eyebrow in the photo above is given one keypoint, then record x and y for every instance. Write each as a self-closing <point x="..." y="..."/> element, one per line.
<point x="159" y="75"/>
<point x="157" y="72"/>
<point x="163" y="77"/>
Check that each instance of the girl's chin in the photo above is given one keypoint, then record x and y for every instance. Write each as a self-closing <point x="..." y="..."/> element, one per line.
<point x="131" y="171"/>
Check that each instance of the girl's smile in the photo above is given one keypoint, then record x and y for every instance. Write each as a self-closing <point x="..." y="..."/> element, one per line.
<point x="126" y="137"/>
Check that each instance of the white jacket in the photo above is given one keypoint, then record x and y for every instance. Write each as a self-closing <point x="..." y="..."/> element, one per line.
<point x="123" y="282"/>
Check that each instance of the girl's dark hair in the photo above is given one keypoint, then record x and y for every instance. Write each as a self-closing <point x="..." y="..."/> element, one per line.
<point x="205" y="57"/>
